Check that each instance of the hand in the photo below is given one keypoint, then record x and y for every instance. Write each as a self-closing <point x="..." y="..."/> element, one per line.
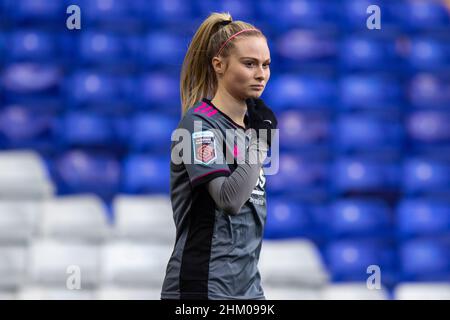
<point x="261" y="117"/>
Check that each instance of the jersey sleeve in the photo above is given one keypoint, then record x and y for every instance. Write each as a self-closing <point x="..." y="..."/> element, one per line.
<point x="207" y="160"/>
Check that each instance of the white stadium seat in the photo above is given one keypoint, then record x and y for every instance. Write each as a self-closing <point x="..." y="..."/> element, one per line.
<point x="146" y="218"/>
<point x="23" y="175"/>
<point x="126" y="263"/>
<point x="13" y="260"/>
<point x="353" y="291"/>
<point x="422" y="291"/>
<point x="18" y="220"/>
<point x="81" y="217"/>
<point x="118" y="293"/>
<point x="52" y="293"/>
<point x="55" y="263"/>
<point x="294" y="263"/>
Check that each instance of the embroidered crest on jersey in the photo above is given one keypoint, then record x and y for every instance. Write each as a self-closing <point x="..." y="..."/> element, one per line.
<point x="204" y="144"/>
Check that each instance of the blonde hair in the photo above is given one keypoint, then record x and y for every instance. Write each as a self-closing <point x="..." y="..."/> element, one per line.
<point x="198" y="78"/>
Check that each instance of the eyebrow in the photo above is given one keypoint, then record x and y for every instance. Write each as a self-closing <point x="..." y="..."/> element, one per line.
<point x="251" y="58"/>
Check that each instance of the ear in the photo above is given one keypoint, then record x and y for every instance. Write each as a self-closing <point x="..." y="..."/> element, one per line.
<point x="218" y="65"/>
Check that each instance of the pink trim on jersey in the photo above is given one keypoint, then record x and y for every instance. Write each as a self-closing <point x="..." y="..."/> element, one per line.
<point x="204" y="104"/>
<point x="204" y="175"/>
<point x="211" y="113"/>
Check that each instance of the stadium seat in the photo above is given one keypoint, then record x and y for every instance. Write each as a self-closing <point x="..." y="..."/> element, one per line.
<point x="423" y="217"/>
<point x="425" y="260"/>
<point x="30" y="78"/>
<point x="426" y="53"/>
<point x="422" y="15"/>
<point x="365" y="132"/>
<point x="101" y="48"/>
<point x="144" y="218"/>
<point x="360" y="218"/>
<point x="26" y="45"/>
<point x="24" y="176"/>
<point x="134" y="264"/>
<point x="354" y="173"/>
<point x="51" y="262"/>
<point x="297" y="172"/>
<point x="78" y="171"/>
<point x="426" y="90"/>
<point x="290" y="91"/>
<point x="287" y="219"/>
<point x="290" y="293"/>
<point x="18" y="220"/>
<point x="13" y="265"/>
<point x="21" y="127"/>
<point x="85" y="129"/>
<point x="292" y="263"/>
<point x="77" y="218"/>
<point x="120" y="293"/>
<point x="366" y="53"/>
<point x="422" y="175"/>
<point x="151" y="131"/>
<point x="37" y="11"/>
<point x="368" y="92"/>
<point x="348" y="260"/>
<point x="142" y="174"/>
<point x="36" y="292"/>
<point x="422" y="291"/>
<point x="163" y="49"/>
<point x="428" y="126"/>
<point x="301" y="129"/>
<point x="353" y="291"/>
<point x="158" y="91"/>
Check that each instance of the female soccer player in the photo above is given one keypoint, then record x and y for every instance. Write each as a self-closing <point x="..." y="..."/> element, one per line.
<point x="219" y="206"/>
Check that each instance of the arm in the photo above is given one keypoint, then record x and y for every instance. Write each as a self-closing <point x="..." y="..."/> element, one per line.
<point x="230" y="193"/>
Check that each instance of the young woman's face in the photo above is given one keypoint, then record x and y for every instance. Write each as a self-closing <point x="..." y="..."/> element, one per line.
<point x="248" y="68"/>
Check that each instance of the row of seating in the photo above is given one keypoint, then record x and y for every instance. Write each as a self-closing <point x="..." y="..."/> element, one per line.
<point x="408" y="14"/>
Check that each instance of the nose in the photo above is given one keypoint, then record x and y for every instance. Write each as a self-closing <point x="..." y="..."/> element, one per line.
<point x="259" y="73"/>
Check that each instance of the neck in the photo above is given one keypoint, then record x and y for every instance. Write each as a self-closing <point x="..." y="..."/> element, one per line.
<point x="232" y="107"/>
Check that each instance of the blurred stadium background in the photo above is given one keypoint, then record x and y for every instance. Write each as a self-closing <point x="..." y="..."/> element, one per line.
<point x="85" y="123"/>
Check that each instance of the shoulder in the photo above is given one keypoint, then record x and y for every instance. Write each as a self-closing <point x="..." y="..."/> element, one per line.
<point x="203" y="112"/>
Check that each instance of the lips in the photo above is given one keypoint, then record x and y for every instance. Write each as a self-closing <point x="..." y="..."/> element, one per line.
<point x="258" y="87"/>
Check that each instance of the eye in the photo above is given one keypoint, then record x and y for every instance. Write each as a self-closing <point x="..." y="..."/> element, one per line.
<point x="266" y="65"/>
<point x="249" y="63"/>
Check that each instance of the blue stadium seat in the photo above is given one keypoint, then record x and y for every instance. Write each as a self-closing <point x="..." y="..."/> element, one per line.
<point x="113" y="14"/>
<point x="365" y="53"/>
<point x="422" y="15"/>
<point x="240" y="10"/>
<point x="290" y="91"/>
<point x="429" y="126"/>
<point x="171" y="12"/>
<point x="90" y="87"/>
<point x="163" y="49"/>
<point x="421" y="175"/>
<point x="304" y="46"/>
<point x="428" y="90"/>
<point x="20" y="127"/>
<point x="365" y="132"/>
<point x="360" y="218"/>
<point x="297" y="13"/>
<point x="423" y="217"/>
<point x="151" y="131"/>
<point x="348" y="260"/>
<point x="354" y="173"/>
<point x="77" y="171"/>
<point x="158" y="91"/>
<point x="85" y="129"/>
<point x="425" y="260"/>
<point x="298" y="173"/>
<point x="368" y="91"/>
<point x="428" y="54"/>
<point x="32" y="45"/>
<point x="41" y="11"/>
<point x="301" y="129"/>
<point x="101" y="48"/>
<point x="145" y="173"/>
<point x="287" y="219"/>
<point x="24" y="78"/>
